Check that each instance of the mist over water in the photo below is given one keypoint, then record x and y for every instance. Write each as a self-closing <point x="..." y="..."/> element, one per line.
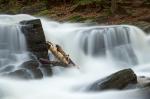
<point x="97" y="50"/>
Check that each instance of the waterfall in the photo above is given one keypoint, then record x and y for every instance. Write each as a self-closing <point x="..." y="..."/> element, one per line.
<point x="97" y="50"/>
<point x="12" y="44"/>
<point x="124" y="45"/>
<point x="114" y="41"/>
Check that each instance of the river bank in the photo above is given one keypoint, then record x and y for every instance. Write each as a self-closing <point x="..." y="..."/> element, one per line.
<point x="135" y="12"/>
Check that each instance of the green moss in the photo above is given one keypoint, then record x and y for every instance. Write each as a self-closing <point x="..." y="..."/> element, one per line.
<point x="79" y="18"/>
<point x="13" y="6"/>
<point x="76" y="18"/>
<point x="87" y="2"/>
<point x="107" y="12"/>
<point x="44" y="12"/>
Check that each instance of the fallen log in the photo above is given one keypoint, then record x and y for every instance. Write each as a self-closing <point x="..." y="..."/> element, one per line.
<point x="60" y="54"/>
<point x="57" y="54"/>
<point x="64" y="54"/>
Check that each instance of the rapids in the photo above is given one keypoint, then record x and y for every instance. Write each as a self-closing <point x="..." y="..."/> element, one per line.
<point x="97" y="50"/>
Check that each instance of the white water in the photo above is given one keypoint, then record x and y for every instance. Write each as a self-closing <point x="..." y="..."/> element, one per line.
<point x="97" y="50"/>
<point x="12" y="44"/>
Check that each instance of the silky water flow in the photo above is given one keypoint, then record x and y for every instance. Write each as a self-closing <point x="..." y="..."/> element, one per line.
<point x="98" y="50"/>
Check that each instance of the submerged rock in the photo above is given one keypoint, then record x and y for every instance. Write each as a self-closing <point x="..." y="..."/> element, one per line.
<point x="35" y="38"/>
<point x="22" y="74"/>
<point x="33" y="67"/>
<point x="30" y="70"/>
<point x="47" y="70"/>
<point x="7" y="69"/>
<point x="118" y="80"/>
<point x="37" y="69"/>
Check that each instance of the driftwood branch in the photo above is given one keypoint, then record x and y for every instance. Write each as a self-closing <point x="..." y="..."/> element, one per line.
<point x="57" y="51"/>
<point x="60" y="54"/>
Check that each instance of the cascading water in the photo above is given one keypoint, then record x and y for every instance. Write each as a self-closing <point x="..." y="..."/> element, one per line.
<point x="97" y="50"/>
<point x="12" y="44"/>
<point x="120" y="44"/>
<point x="114" y="41"/>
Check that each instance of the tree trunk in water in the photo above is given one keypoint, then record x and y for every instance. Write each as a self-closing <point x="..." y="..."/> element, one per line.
<point x="113" y="6"/>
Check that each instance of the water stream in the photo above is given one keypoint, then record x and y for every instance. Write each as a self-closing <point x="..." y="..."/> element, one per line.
<point x="97" y="50"/>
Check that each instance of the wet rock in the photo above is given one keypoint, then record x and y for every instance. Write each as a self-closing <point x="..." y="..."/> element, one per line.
<point x="7" y="69"/>
<point x="29" y="70"/>
<point x="41" y="54"/>
<point x="37" y="69"/>
<point x="36" y="45"/>
<point x="37" y="73"/>
<point x="35" y="38"/>
<point x="118" y="80"/>
<point x="33" y="67"/>
<point x="32" y="56"/>
<point x="22" y="74"/>
<point x="46" y="69"/>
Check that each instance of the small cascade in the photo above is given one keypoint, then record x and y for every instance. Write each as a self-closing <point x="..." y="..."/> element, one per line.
<point x="109" y="41"/>
<point x="12" y="45"/>
<point x="124" y="45"/>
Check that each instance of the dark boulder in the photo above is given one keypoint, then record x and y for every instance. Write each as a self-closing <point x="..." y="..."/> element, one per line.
<point x="46" y="69"/>
<point x="37" y="73"/>
<point x="32" y="56"/>
<point x="30" y="70"/>
<point x="118" y="80"/>
<point x="21" y="74"/>
<point x="37" y="69"/>
<point x="35" y="38"/>
<point x="7" y="69"/>
<point x="36" y="45"/>
<point x="33" y="67"/>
